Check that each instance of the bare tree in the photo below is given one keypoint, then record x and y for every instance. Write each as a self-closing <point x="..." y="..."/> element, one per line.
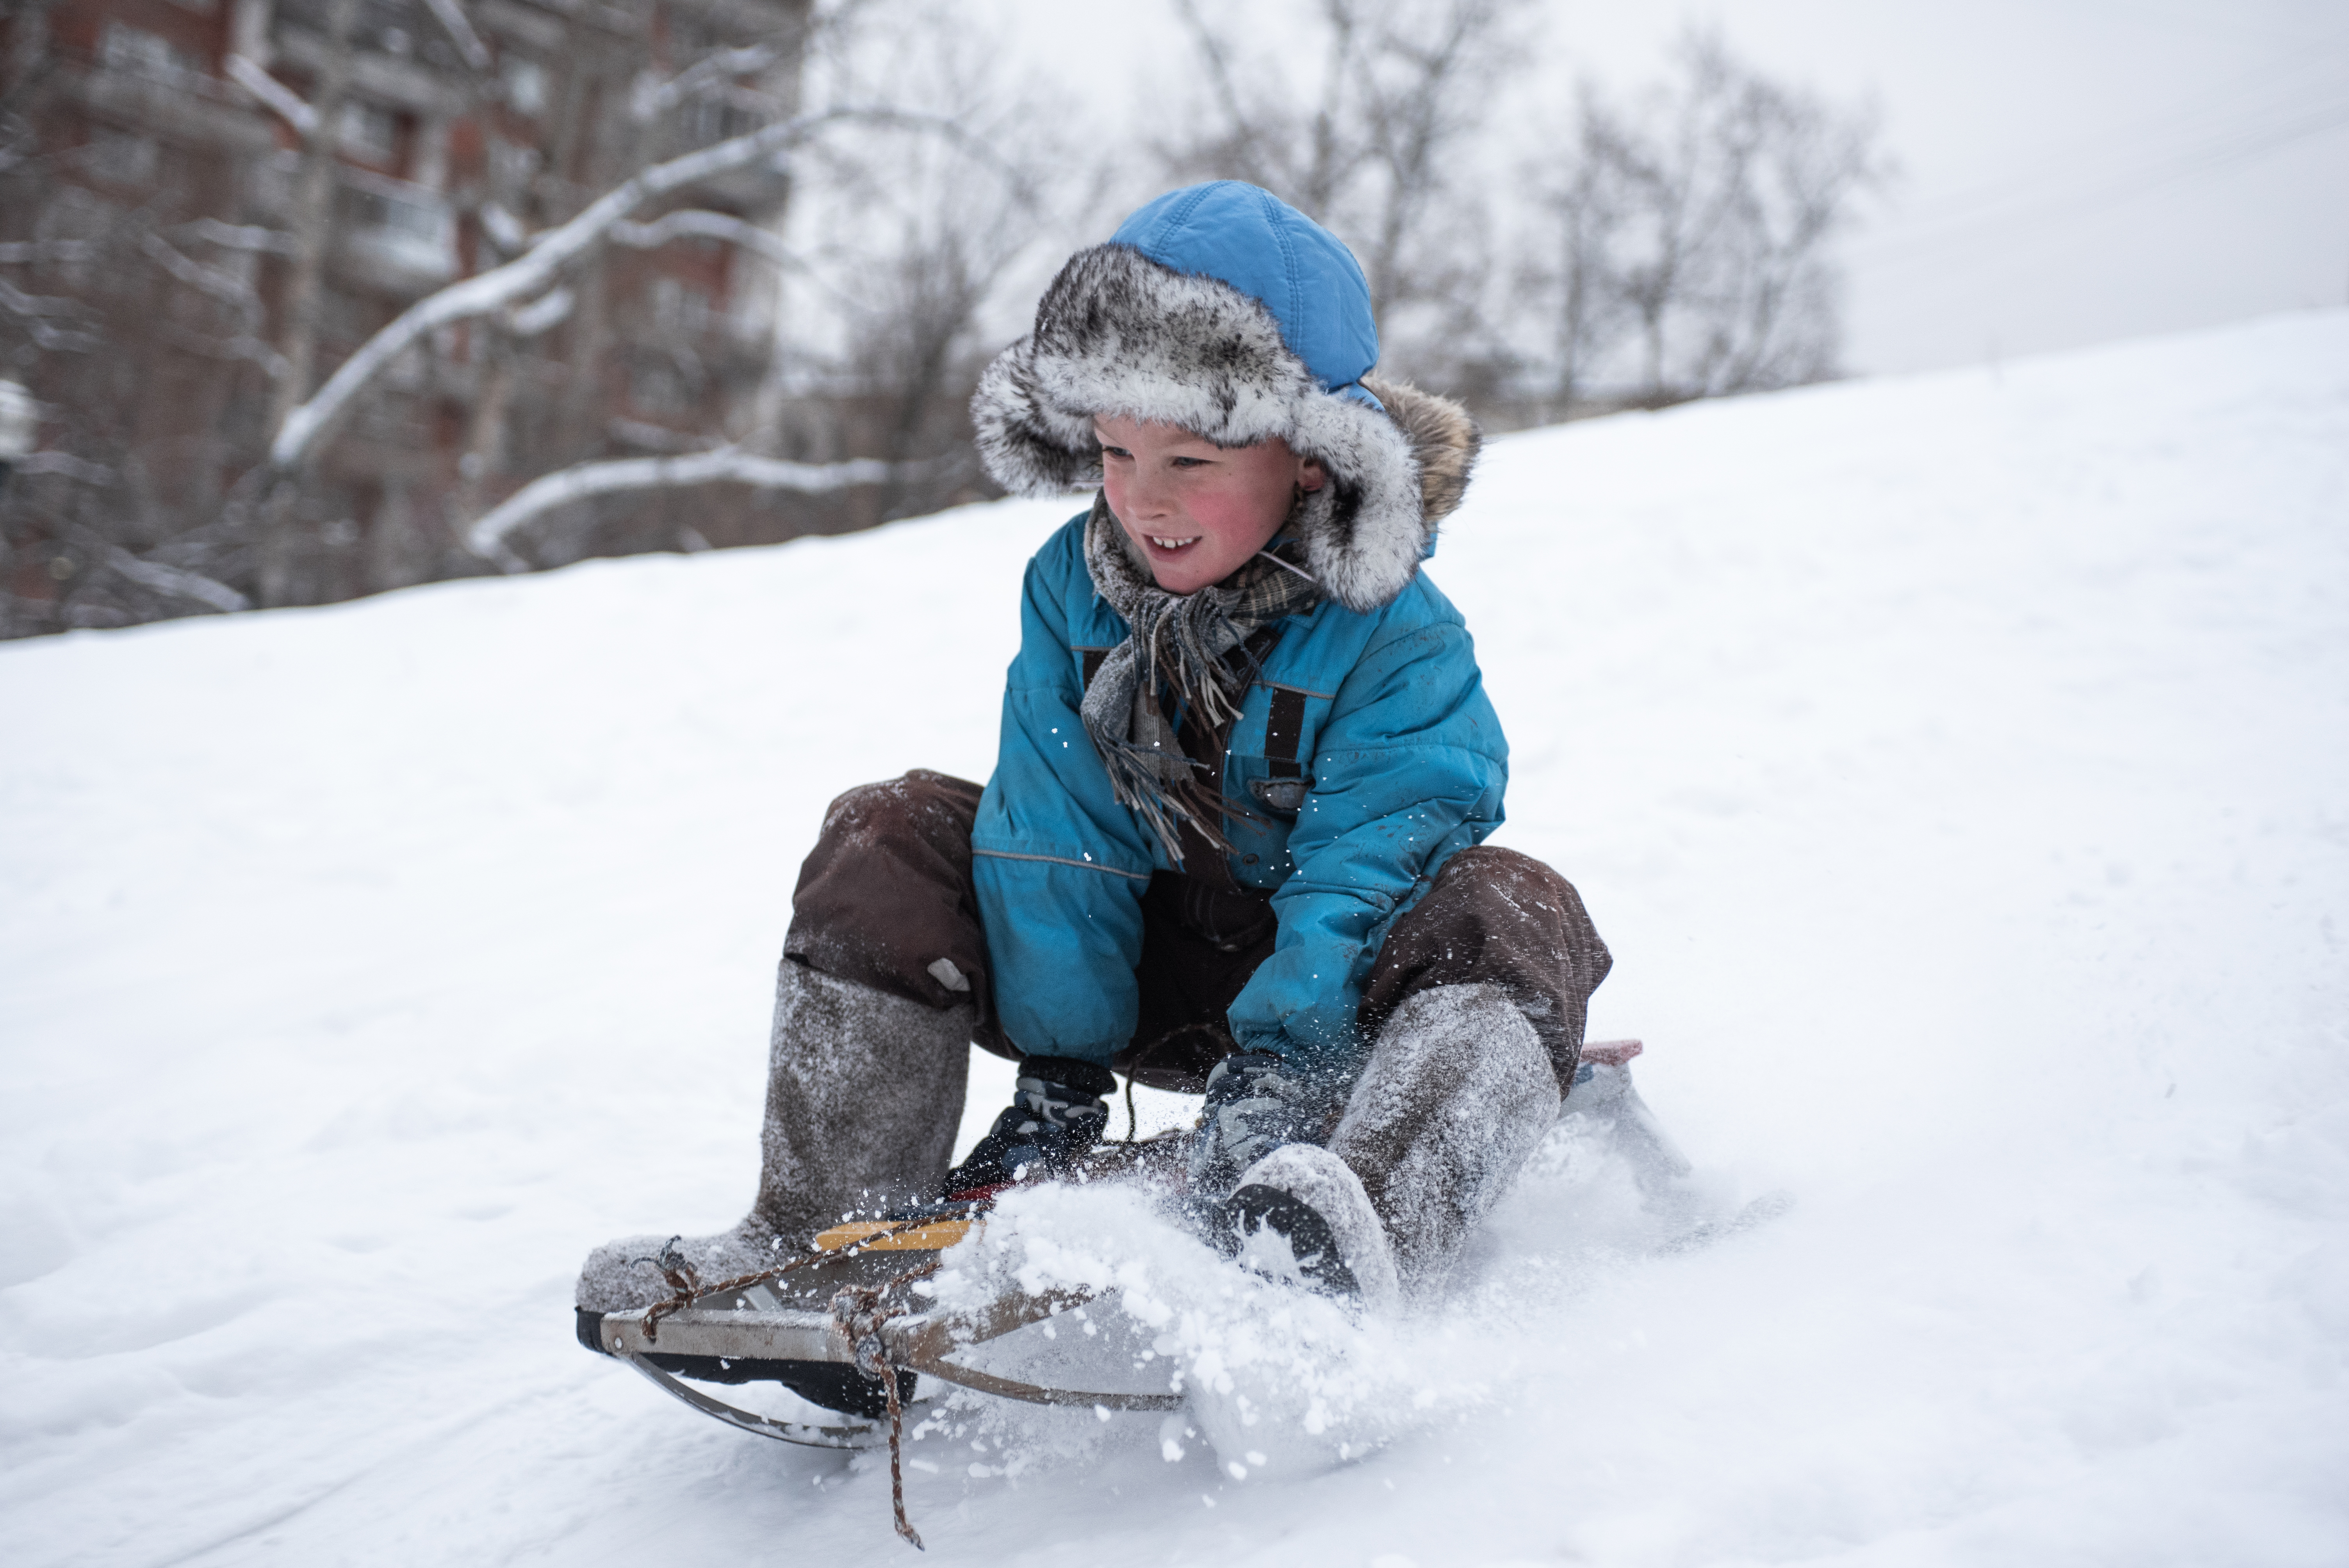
<point x="138" y="330"/>
<point x="538" y="270"/>
<point x="1570" y="266"/>
<point x="913" y="221"/>
<point x="694" y="273"/>
<point x="1377" y="147"/>
<point x="915" y="244"/>
<point x="310" y="220"/>
<point x="1683" y="247"/>
<point x="187" y="223"/>
<point x="608" y="250"/>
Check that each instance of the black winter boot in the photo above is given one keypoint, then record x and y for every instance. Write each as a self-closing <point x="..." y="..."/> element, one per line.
<point x="1257" y="1102"/>
<point x="1301" y="1214"/>
<point x="1057" y="1113"/>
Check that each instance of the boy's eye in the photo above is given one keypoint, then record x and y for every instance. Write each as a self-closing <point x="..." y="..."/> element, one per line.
<point x="1110" y="452"/>
<point x="1190" y="463"/>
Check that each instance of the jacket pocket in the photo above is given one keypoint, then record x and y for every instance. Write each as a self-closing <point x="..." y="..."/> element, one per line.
<point x="1282" y="796"/>
<point x="1261" y="787"/>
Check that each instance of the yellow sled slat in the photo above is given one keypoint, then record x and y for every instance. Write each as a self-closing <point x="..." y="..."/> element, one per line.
<point x="897" y="1236"/>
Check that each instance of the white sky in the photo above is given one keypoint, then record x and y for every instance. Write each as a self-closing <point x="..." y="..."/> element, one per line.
<point x="2073" y="171"/>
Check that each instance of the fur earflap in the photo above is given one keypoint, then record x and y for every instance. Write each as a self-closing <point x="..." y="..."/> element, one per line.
<point x="1120" y="334"/>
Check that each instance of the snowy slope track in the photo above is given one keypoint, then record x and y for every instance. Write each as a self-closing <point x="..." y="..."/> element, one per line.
<point x="1958" y="766"/>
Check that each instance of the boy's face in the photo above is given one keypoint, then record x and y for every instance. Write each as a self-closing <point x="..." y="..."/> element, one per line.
<point x="1197" y="511"/>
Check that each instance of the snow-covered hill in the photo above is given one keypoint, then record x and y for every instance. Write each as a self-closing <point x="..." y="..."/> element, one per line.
<point x="1959" y="768"/>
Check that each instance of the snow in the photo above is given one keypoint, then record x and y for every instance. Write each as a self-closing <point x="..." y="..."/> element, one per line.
<point x="1954" y="764"/>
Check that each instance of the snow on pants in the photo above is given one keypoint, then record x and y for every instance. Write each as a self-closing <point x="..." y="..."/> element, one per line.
<point x="886" y="899"/>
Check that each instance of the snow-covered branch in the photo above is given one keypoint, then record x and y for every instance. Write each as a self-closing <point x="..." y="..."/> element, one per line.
<point x="539" y="267"/>
<point x="38" y="311"/>
<point x="177" y="581"/>
<point x="66" y="465"/>
<point x="504" y="229"/>
<point x="236" y="236"/>
<point x="24" y="305"/>
<point x="653" y="97"/>
<point x="242" y="347"/>
<point x="459" y="28"/>
<point x="231" y="291"/>
<point x="225" y="287"/>
<point x="693" y="223"/>
<point x="18" y="252"/>
<point x="275" y="96"/>
<point x="487" y="538"/>
<point x="549" y="310"/>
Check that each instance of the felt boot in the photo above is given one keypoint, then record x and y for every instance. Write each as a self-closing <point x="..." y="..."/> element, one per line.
<point x="1456" y="1094"/>
<point x="864" y="1090"/>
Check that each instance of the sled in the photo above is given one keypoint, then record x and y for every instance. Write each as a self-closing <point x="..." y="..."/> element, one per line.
<point x="824" y="1325"/>
<point x="844" y="1328"/>
<point x="829" y="1325"/>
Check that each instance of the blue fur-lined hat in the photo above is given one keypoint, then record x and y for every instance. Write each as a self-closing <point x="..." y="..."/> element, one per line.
<point x="1222" y="309"/>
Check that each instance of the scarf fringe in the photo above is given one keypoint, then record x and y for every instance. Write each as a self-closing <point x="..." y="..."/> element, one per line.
<point x="1181" y="642"/>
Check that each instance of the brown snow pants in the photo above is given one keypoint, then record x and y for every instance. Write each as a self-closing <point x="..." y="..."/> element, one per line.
<point x="886" y="899"/>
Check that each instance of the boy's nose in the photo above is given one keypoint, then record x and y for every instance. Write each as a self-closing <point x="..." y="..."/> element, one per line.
<point x="1148" y="496"/>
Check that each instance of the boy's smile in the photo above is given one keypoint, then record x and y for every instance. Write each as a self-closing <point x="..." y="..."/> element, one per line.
<point x="1196" y="511"/>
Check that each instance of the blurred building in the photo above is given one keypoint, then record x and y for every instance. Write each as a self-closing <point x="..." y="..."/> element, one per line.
<point x="153" y="206"/>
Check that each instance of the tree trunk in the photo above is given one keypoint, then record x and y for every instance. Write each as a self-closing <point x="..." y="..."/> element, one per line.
<point x="28" y="46"/>
<point x="484" y="456"/>
<point x="312" y="221"/>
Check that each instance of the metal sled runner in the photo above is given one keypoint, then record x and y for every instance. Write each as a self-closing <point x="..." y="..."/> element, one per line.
<point x="823" y="1329"/>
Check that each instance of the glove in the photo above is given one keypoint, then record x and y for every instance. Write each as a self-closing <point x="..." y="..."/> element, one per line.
<point x="1057" y="1113"/>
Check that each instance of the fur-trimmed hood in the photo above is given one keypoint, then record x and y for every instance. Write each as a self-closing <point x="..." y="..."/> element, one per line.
<point x="1221" y="309"/>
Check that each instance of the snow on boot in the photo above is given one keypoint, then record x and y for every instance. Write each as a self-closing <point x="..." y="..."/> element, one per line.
<point x="1256" y="1102"/>
<point x="864" y="1093"/>
<point x="1056" y="1114"/>
<point x="1298" y="1212"/>
<point x="1458" y="1092"/>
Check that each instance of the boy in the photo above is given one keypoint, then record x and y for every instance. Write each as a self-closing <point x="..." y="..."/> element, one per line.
<point x="1234" y="837"/>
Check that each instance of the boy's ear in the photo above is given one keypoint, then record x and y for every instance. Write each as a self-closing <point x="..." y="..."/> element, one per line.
<point x="1312" y="475"/>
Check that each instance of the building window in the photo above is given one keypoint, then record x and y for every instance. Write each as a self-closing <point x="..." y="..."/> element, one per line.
<point x="525" y="82"/>
<point x="401" y="230"/>
<point x="679" y="307"/>
<point x="147" y="54"/>
<point x="709" y="119"/>
<point x="513" y="171"/>
<point x="658" y="389"/>
<point x="371" y="131"/>
<point x="120" y="158"/>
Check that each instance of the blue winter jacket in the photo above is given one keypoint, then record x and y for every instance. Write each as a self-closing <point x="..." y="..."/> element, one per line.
<point x="1224" y="311"/>
<point x="1407" y="765"/>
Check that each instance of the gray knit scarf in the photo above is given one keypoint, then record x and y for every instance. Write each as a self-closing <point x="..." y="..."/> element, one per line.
<point x="1181" y="639"/>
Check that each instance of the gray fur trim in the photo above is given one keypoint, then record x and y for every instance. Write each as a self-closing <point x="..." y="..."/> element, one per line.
<point x="1118" y="334"/>
<point x="1443" y="436"/>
